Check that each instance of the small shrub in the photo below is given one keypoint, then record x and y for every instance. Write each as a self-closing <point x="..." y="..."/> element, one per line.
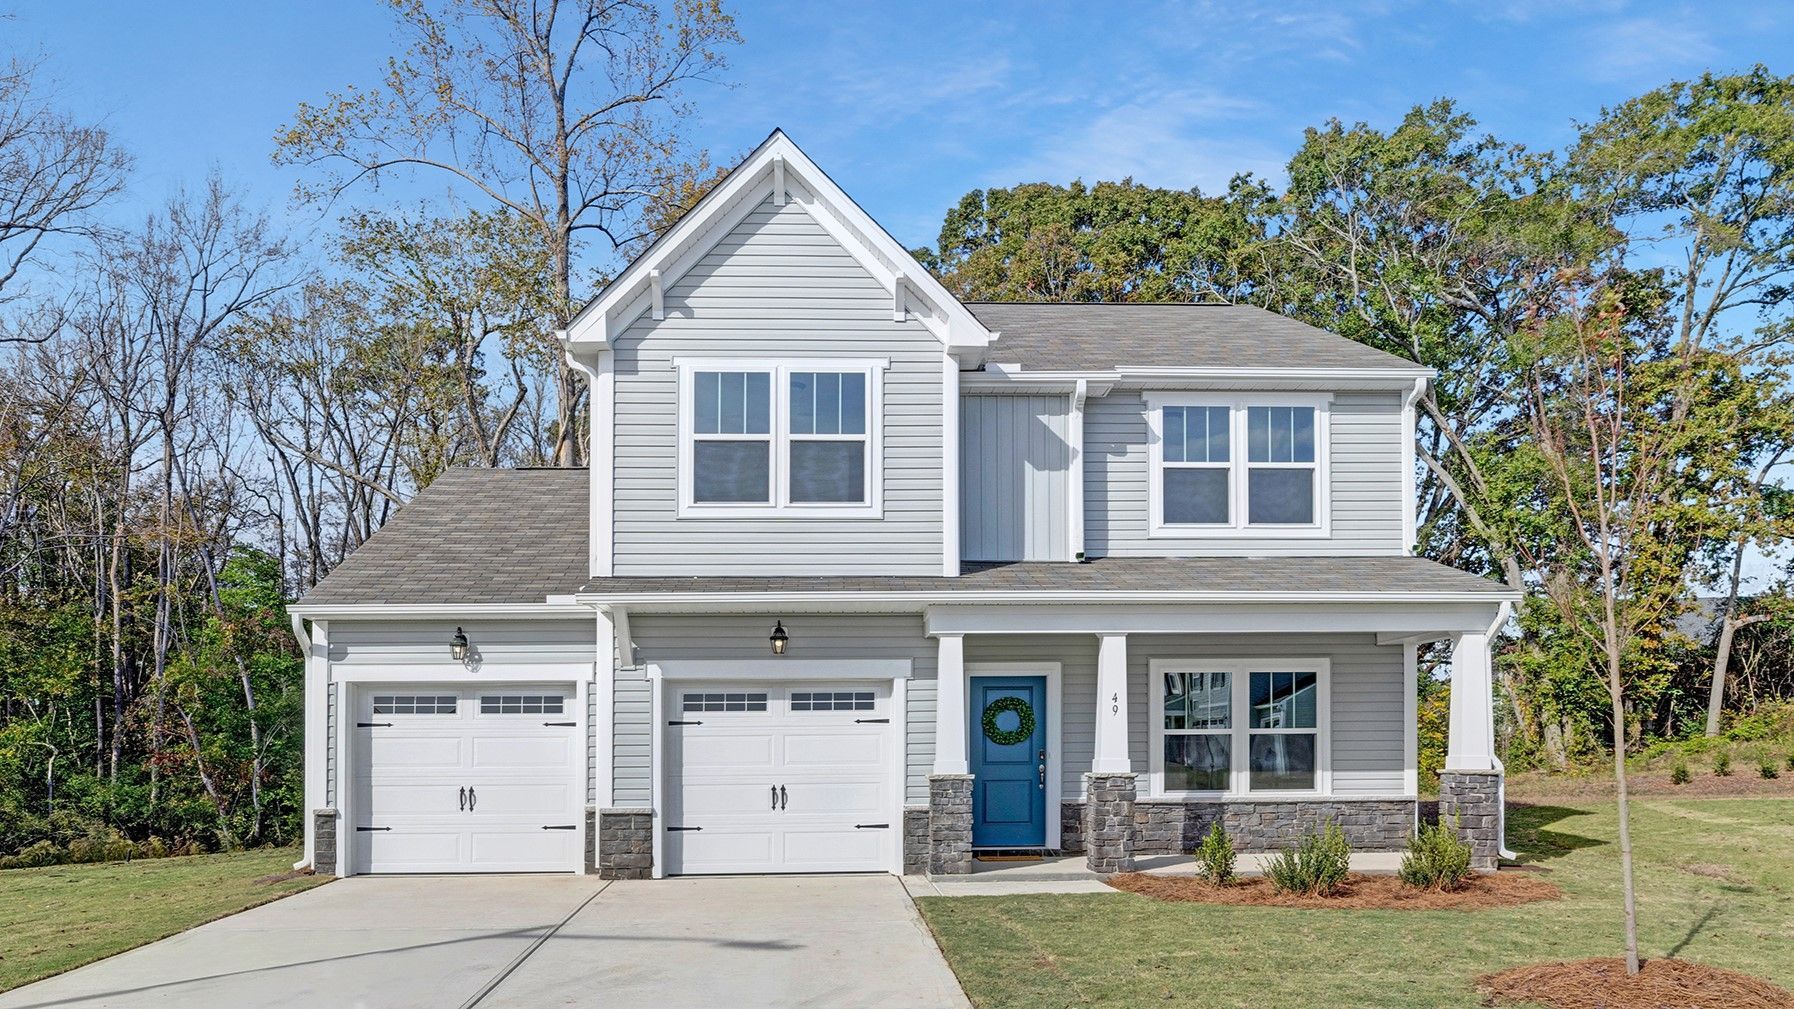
<point x="41" y="853"/>
<point x="1436" y="858"/>
<point x="1317" y="866"/>
<point x="1789" y="761"/>
<point x="1678" y="775"/>
<point x="1215" y="856"/>
<point x="1722" y="763"/>
<point x="1766" y="767"/>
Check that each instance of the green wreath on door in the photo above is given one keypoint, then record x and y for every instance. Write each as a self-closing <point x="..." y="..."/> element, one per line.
<point x="1024" y="728"/>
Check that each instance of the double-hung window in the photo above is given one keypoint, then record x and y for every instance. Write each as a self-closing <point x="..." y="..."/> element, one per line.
<point x="1248" y="464"/>
<point x="779" y="438"/>
<point x="1239" y="726"/>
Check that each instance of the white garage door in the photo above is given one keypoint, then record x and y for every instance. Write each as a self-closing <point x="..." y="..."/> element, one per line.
<point x="787" y="778"/>
<point x="453" y="779"/>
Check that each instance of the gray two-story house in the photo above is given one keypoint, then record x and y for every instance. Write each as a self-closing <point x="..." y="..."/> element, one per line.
<point x="865" y="578"/>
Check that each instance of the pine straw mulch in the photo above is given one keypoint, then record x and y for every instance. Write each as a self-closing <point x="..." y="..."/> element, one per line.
<point x="1661" y="984"/>
<point x="1360" y="892"/>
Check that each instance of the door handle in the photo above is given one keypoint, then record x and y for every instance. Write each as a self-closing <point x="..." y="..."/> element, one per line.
<point x="463" y="798"/>
<point x="471" y="798"/>
<point x="1043" y="776"/>
<point x="784" y="799"/>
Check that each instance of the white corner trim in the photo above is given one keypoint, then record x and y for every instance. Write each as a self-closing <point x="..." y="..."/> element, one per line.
<point x="1410" y="498"/>
<point x="602" y="379"/>
<point x="1410" y="718"/>
<point x="950" y="466"/>
<point x="1074" y="491"/>
<point x="1238" y="467"/>
<point x="1239" y="734"/>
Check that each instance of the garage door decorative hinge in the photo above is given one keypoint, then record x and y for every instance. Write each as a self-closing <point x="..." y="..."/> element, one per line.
<point x="685" y="723"/>
<point x="685" y="828"/>
<point x="372" y="828"/>
<point x="373" y="725"/>
<point x="872" y="721"/>
<point x="568" y="725"/>
<point x="871" y="826"/>
<point x="562" y="826"/>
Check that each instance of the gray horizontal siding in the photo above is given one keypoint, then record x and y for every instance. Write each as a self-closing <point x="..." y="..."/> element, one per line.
<point x="632" y="734"/>
<point x="778" y="285"/>
<point x="1015" y="488"/>
<point x="1366" y="456"/>
<point x="698" y="637"/>
<point x="494" y="642"/>
<point x="1366" y="692"/>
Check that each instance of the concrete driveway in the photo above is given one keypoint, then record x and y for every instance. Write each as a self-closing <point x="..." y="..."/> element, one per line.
<point x="533" y="941"/>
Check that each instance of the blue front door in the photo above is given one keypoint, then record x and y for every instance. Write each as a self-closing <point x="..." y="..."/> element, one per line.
<point x="1008" y="783"/>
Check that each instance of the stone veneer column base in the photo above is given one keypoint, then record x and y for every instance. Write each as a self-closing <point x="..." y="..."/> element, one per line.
<point x="1177" y="826"/>
<point x="323" y="849"/>
<point x="1109" y="822"/>
<point x="626" y="843"/>
<point x="915" y="840"/>
<point x="1471" y="800"/>
<point x="949" y="824"/>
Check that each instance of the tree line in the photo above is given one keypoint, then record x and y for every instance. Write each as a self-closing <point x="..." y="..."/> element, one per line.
<point x="200" y="416"/>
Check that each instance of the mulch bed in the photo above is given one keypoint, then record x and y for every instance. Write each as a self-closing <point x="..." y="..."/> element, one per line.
<point x="1661" y="984"/>
<point x="1360" y="892"/>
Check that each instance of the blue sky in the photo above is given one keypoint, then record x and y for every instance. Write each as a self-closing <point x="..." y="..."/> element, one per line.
<point x="909" y="106"/>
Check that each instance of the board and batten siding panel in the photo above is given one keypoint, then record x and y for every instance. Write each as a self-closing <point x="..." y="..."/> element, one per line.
<point x="777" y="285"/>
<point x="1366" y="457"/>
<point x="1015" y="459"/>
<point x="1366" y="694"/>
<point x="1076" y="656"/>
<point x="730" y="637"/>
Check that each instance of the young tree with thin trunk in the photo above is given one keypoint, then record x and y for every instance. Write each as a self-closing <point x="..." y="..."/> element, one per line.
<point x="568" y="113"/>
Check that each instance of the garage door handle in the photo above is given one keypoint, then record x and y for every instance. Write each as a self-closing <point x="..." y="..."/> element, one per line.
<point x="775" y="796"/>
<point x="871" y="826"/>
<point x="562" y="826"/>
<point x="784" y="799"/>
<point x="471" y="799"/>
<point x="872" y="721"/>
<point x="373" y="725"/>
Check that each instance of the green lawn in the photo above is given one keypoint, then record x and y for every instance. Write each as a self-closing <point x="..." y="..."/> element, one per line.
<point x="58" y="918"/>
<point x="1715" y="880"/>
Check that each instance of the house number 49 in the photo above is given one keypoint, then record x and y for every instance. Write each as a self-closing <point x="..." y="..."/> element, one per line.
<point x="1114" y="704"/>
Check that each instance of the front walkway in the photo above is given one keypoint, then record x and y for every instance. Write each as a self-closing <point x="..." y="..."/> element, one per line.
<point x="536" y="941"/>
<point x="1071" y="874"/>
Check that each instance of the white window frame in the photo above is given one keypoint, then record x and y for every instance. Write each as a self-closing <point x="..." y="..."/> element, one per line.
<point x="780" y="505"/>
<point x="1238" y="469"/>
<point x="1239" y="673"/>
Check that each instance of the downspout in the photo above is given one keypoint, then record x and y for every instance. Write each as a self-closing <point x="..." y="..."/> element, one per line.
<point x="304" y="639"/>
<point x="1410" y="492"/>
<point x="1501" y="848"/>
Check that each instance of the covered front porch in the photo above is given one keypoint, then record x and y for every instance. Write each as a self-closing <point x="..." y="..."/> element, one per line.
<point x="1148" y="723"/>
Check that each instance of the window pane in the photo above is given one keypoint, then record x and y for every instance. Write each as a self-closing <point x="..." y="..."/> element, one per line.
<point x="828" y="471"/>
<point x="1304" y="434"/>
<point x="1258" y="434"/>
<point x="759" y="404"/>
<point x="1284" y="700"/>
<point x="803" y="402"/>
<point x="1177" y="707"/>
<point x="706" y="406"/>
<point x="828" y="404"/>
<point x="1174" y="423"/>
<point x="1280" y="434"/>
<point x="1195" y="496"/>
<point x="853" y="403"/>
<point x="734" y="402"/>
<point x="1197" y="701"/>
<point x="1281" y="761"/>
<point x="1219" y="436"/>
<point x="1196" y="763"/>
<point x="730" y="471"/>
<point x="1280" y="497"/>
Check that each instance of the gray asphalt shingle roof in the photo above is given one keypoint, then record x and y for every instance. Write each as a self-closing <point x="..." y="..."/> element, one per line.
<point x="473" y="536"/>
<point x="1242" y="575"/>
<point x="1099" y="337"/>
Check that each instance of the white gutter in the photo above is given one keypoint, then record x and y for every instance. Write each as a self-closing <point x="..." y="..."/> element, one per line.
<point x="423" y="611"/>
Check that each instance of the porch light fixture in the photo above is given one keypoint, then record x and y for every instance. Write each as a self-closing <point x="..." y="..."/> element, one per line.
<point x="779" y="637"/>
<point x="458" y="645"/>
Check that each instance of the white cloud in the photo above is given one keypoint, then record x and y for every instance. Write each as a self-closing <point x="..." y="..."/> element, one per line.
<point x="1175" y="140"/>
<point x="1646" y="48"/>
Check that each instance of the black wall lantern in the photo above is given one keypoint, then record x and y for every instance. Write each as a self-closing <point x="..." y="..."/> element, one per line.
<point x="458" y="645"/>
<point x="780" y="637"/>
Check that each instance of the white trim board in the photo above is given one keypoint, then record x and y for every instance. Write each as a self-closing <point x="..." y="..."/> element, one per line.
<point x="783" y="668"/>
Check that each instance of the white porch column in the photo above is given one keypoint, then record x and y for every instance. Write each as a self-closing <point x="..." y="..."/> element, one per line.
<point x="1470" y="745"/>
<point x="950" y="706"/>
<point x="1111" y="706"/>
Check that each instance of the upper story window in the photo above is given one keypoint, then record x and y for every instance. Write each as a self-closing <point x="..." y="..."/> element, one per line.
<point x="779" y="438"/>
<point x="1237" y="465"/>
